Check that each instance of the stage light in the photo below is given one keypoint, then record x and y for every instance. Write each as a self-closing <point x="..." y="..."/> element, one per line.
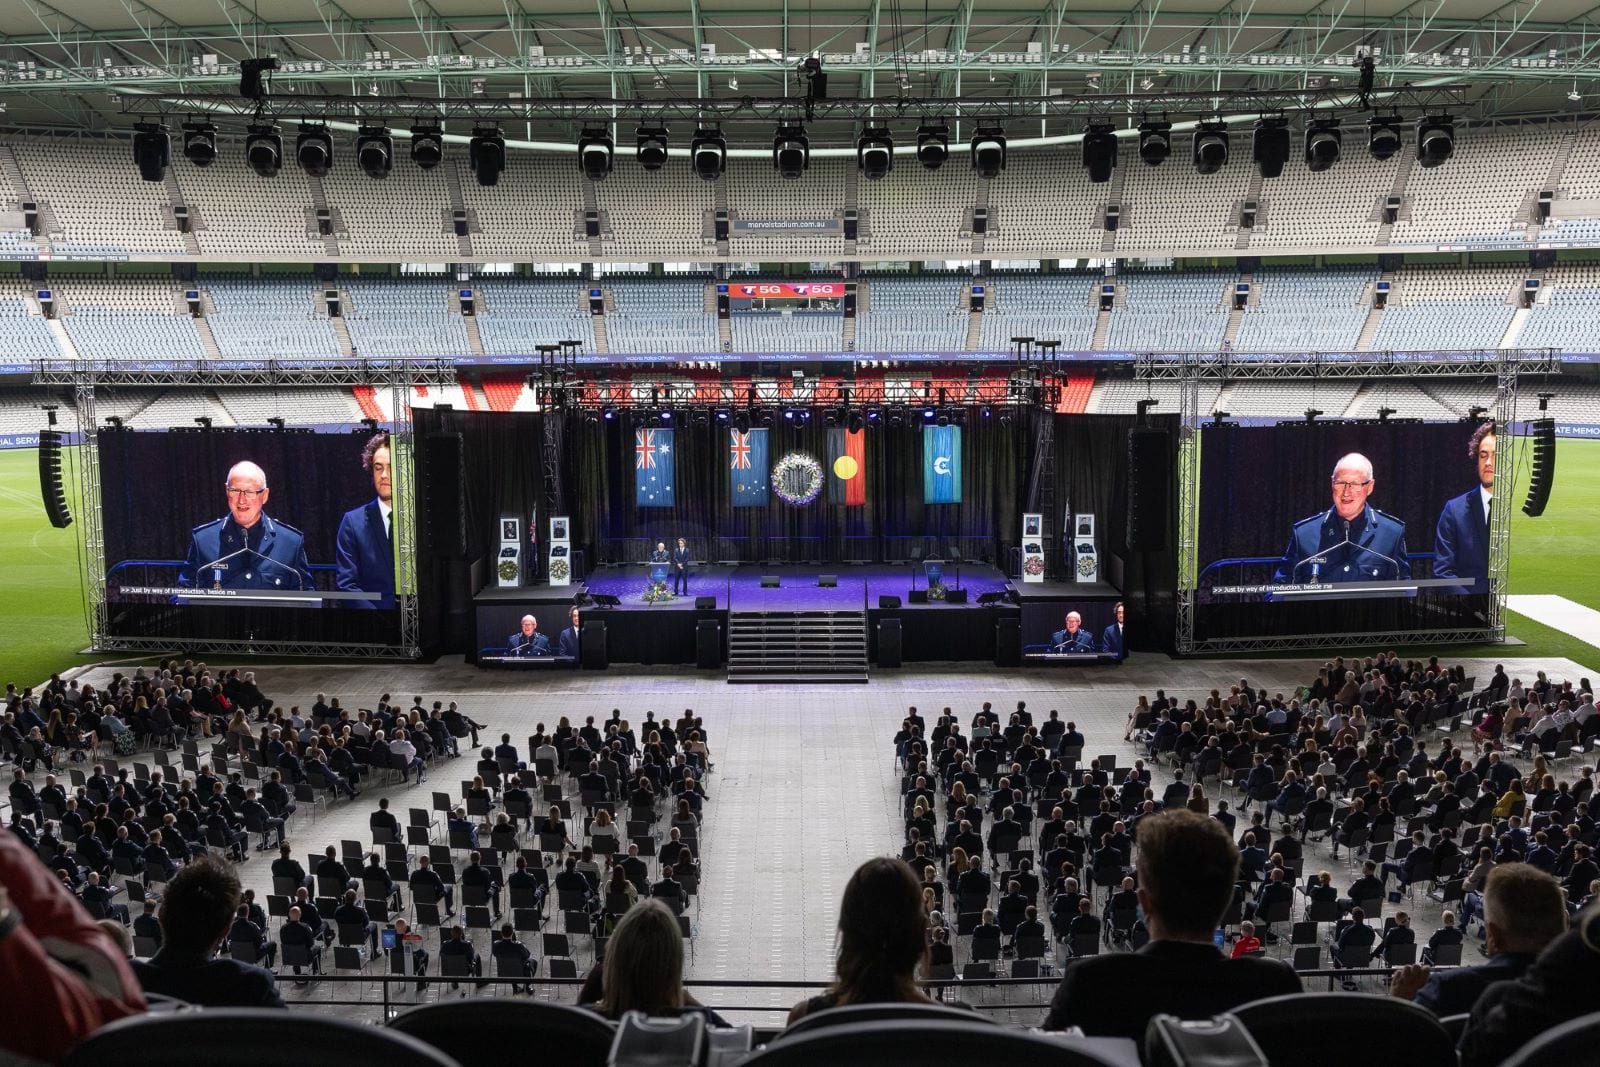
<point x="374" y="151"/>
<point x="1323" y="143"/>
<point x="608" y="412"/>
<point x="741" y="422"/>
<point x="1270" y="146"/>
<point x="875" y="152"/>
<point x="487" y="154"/>
<point x="791" y="151"/>
<point x="987" y="412"/>
<point x="666" y="416"/>
<point x="427" y="145"/>
<point x="708" y="151"/>
<point x="200" y="143"/>
<point x="152" y="150"/>
<point x="933" y="145"/>
<point x="1383" y="136"/>
<point x="856" y="423"/>
<point x="313" y="149"/>
<point x="651" y="147"/>
<point x="252" y="84"/>
<point x="989" y="151"/>
<point x="1436" y="140"/>
<point x="789" y="415"/>
<point x="943" y="419"/>
<point x="1311" y="415"/>
<point x="1155" y="142"/>
<point x="816" y="78"/>
<point x="595" y="152"/>
<point x="263" y="149"/>
<point x="722" y="416"/>
<point x="1210" y="151"/>
<point x="1100" y="151"/>
<point x="927" y="413"/>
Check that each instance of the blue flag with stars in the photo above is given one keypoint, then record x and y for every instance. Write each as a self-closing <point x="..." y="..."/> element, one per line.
<point x="653" y="468"/>
<point x="747" y="467"/>
<point x="941" y="464"/>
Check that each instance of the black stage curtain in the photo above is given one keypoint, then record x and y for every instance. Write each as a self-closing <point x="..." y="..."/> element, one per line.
<point x="889" y="526"/>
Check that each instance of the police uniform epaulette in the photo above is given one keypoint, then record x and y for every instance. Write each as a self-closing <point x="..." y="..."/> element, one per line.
<point x="208" y="525"/>
<point x="1312" y="520"/>
<point x="1391" y="518"/>
<point x="286" y="526"/>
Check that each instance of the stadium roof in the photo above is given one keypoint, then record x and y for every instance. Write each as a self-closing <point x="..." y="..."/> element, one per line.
<point x="69" y="63"/>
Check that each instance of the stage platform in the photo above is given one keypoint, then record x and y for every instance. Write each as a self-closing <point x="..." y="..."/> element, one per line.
<point x="664" y="632"/>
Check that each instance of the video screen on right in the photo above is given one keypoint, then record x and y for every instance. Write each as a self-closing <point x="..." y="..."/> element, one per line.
<point x="1298" y="520"/>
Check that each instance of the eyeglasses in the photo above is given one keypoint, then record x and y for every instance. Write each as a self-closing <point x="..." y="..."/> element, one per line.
<point x="245" y="494"/>
<point x="1352" y="486"/>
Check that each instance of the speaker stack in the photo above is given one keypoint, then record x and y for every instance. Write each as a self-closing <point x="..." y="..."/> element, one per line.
<point x="1540" y="480"/>
<point x="50" y="487"/>
<point x="1149" y="488"/>
<point x="441" y="464"/>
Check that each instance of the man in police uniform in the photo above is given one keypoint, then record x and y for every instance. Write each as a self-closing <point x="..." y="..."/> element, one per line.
<point x="1074" y="638"/>
<point x="246" y="549"/>
<point x="528" y="641"/>
<point x="1351" y="541"/>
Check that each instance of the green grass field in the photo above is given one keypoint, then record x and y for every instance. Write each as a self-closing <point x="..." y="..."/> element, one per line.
<point x="42" y="622"/>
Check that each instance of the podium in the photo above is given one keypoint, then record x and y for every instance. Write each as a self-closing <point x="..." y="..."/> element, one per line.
<point x="933" y="571"/>
<point x="656" y="587"/>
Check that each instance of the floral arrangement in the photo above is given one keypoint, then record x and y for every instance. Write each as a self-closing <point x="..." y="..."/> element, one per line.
<point x="1085" y="565"/>
<point x="558" y="570"/>
<point x="508" y="569"/>
<point x="797" y="479"/>
<point x="1033" y="565"/>
<point x="656" y="593"/>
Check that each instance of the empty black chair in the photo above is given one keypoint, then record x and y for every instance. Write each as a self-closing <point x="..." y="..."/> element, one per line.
<point x="1410" y="1034"/>
<point x="949" y="1044"/>
<point x="1571" y="1042"/>
<point x="851" y="1014"/>
<point x="480" y="1031"/>
<point x="250" y="1037"/>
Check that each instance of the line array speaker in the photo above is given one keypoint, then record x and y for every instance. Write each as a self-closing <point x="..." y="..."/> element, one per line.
<point x="50" y="487"/>
<point x="441" y="465"/>
<point x="1149" y="488"/>
<point x="1540" y="480"/>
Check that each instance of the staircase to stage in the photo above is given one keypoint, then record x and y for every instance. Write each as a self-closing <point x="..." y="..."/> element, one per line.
<point x="797" y="646"/>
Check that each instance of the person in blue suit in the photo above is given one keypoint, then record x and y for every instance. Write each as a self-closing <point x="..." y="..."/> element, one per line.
<point x="1461" y="540"/>
<point x="528" y="641"/>
<point x="1074" y="638"/>
<point x="1111" y="637"/>
<point x="569" y="643"/>
<point x="1350" y="542"/>
<point x="246" y="549"/>
<point x="364" y="549"/>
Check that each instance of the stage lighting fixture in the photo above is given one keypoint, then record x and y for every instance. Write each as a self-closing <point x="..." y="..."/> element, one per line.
<point x="252" y="85"/>
<point x="791" y="151"/>
<point x="1383" y="136"/>
<point x="989" y="151"/>
<point x="1323" y="143"/>
<point x="313" y="149"/>
<point x="427" y="146"/>
<point x="816" y="78"/>
<point x="708" y="151"/>
<point x="487" y="154"/>
<point x="152" y="150"/>
<point x="767" y="417"/>
<point x="789" y="415"/>
<point x="595" y="152"/>
<point x="200" y="143"/>
<point x="651" y="147"/>
<point x="875" y="152"/>
<point x="374" y="151"/>
<point x="927" y="413"/>
<point x="741" y="421"/>
<point x="1155" y="142"/>
<point x="933" y="145"/>
<point x="1100" y="151"/>
<point x="263" y="149"/>
<point x="1311" y="415"/>
<point x="1436" y="139"/>
<point x="943" y="419"/>
<point x="856" y="422"/>
<point x="608" y="412"/>
<point x="1210" y="152"/>
<point x="1270" y="146"/>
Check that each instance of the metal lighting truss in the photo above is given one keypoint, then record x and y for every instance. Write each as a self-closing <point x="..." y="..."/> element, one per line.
<point x="1190" y="370"/>
<point x="399" y="376"/>
<point x="959" y="388"/>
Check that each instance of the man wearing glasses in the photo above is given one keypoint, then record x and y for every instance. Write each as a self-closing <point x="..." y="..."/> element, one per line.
<point x="1350" y="542"/>
<point x="246" y="549"/>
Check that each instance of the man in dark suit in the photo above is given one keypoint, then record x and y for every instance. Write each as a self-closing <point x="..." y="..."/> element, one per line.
<point x="570" y="645"/>
<point x="350" y="913"/>
<point x="1461" y="539"/>
<point x="1187" y="868"/>
<point x="246" y="929"/>
<point x="680" y="568"/>
<point x="300" y="934"/>
<point x="246" y="549"/>
<point x="457" y="945"/>
<point x="1072" y="637"/>
<point x="528" y="641"/>
<point x="1111" y="637"/>
<point x="364" y="549"/>
<point x="196" y="914"/>
<point x="512" y="958"/>
<point x="1350" y="542"/>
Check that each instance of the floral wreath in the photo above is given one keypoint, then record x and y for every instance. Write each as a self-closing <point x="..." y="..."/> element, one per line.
<point x="508" y="569"/>
<point x="797" y="463"/>
<point x="558" y="569"/>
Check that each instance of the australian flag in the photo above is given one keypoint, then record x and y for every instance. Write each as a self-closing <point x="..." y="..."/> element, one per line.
<point x="941" y="464"/>
<point x="747" y="468"/>
<point x="653" y="468"/>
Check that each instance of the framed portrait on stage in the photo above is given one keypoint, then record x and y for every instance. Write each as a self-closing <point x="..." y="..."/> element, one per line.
<point x="558" y="528"/>
<point x="1033" y="546"/>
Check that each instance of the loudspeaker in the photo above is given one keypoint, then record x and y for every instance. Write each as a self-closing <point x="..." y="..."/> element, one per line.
<point x="592" y="646"/>
<point x="1149" y="488"/>
<point x="827" y="581"/>
<point x="888" y="603"/>
<point x="889" y="650"/>
<point x="955" y="596"/>
<point x="50" y="488"/>
<point x="919" y="596"/>
<point x="441" y="467"/>
<point x="705" y="603"/>
<point x="769" y="581"/>
<point x="1540" y="480"/>
<point x="708" y="644"/>
<point x="1008" y="642"/>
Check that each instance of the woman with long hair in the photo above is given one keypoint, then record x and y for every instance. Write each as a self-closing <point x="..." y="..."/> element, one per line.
<point x="643" y="968"/>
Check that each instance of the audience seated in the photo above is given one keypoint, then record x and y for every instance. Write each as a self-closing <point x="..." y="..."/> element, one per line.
<point x="196" y="915"/>
<point x="1562" y="984"/>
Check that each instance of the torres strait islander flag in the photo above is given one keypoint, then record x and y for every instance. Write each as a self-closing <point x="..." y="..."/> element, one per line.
<point x="747" y="468"/>
<point x="847" y="466"/>
<point x="653" y="468"/>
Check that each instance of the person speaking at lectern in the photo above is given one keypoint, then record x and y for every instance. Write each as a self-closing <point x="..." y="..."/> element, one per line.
<point x="1073" y="638"/>
<point x="1350" y="542"/>
<point x="528" y="641"/>
<point x="246" y="549"/>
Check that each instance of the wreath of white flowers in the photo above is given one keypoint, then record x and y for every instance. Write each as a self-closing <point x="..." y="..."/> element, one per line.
<point x="797" y="463"/>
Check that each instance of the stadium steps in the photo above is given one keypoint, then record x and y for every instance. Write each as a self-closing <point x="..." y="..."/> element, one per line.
<point x="1433" y="394"/>
<point x="725" y="334"/>
<point x="208" y="340"/>
<point x="19" y="185"/>
<point x="983" y="202"/>
<point x="720" y="203"/>
<point x="797" y="646"/>
<point x="58" y="330"/>
<point x="1119" y="178"/>
<point x="367" y="399"/>
<point x="474" y="339"/>
<point x="341" y="332"/>
<point x="1253" y="192"/>
<point x="1402" y="175"/>
<point x="472" y="393"/>
<point x="1236" y="314"/>
<point x="1369" y="328"/>
<point x="1519" y="322"/>
<point x="502" y="391"/>
<point x="1102" y="330"/>
<point x="974" y="331"/>
<point x="458" y="202"/>
<point x="1364" y="390"/>
<point x="175" y="199"/>
<point x="602" y="343"/>
<point x="847" y="333"/>
<point x="1075" y="395"/>
<point x="850" y="178"/>
<point x="319" y="199"/>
